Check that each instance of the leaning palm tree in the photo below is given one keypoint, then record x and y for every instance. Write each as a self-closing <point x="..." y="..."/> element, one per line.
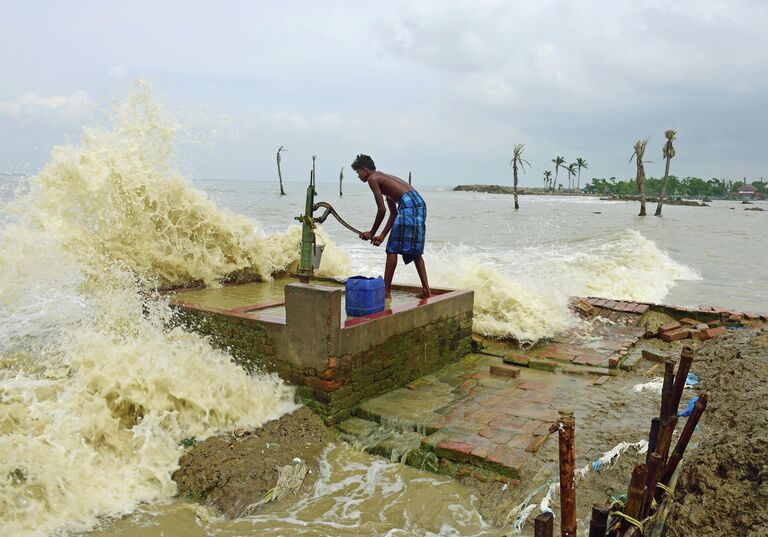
<point x="638" y="156"/>
<point x="580" y="163"/>
<point x="518" y="160"/>
<point x="558" y="161"/>
<point x="547" y="178"/>
<point x="279" y="171"/>
<point x="341" y="180"/>
<point x="669" y="153"/>
<point x="571" y="169"/>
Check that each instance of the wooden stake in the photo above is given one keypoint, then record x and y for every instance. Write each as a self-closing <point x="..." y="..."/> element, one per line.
<point x="566" y="425"/>
<point x="544" y="525"/>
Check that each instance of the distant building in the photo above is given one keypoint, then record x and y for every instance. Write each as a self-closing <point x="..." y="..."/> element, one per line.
<point x="748" y="192"/>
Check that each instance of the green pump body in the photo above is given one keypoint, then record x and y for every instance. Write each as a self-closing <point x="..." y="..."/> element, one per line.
<point x="306" y="270"/>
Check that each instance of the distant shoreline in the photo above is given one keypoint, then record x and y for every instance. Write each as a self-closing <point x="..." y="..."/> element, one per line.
<point x="528" y="191"/>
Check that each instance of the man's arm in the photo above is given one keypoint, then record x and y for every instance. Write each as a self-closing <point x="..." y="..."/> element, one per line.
<point x="380" y="211"/>
<point x="390" y="221"/>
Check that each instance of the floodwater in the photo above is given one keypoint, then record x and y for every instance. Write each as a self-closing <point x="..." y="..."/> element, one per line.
<point x="97" y="395"/>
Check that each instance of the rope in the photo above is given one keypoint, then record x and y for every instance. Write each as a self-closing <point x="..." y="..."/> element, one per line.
<point x="665" y="488"/>
<point x="633" y="521"/>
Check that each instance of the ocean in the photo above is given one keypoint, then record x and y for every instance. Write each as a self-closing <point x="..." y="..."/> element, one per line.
<point x="97" y="394"/>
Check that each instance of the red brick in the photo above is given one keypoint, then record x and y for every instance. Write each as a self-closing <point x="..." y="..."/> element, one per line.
<point x="532" y="385"/>
<point x="538" y="396"/>
<point x="641" y="308"/>
<point x="328" y="374"/>
<point x="752" y="316"/>
<point x="589" y="359"/>
<point x="505" y="371"/>
<point x="669" y="327"/>
<point x="613" y="360"/>
<point x="517" y="359"/>
<point x="601" y="302"/>
<point x="689" y="321"/>
<point x="545" y="365"/>
<point x="536" y="442"/>
<point x="713" y="323"/>
<point x="510" y="460"/>
<point x="454" y="450"/>
<point x="713" y="332"/>
<point x="655" y="356"/>
<point x="706" y="307"/>
<point x="674" y="335"/>
<point x="320" y="384"/>
<point x="611" y="304"/>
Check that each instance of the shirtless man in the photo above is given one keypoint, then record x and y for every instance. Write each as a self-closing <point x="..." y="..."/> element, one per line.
<point x="407" y="221"/>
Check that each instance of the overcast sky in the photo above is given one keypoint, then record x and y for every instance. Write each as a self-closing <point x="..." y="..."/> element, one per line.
<point x="441" y="88"/>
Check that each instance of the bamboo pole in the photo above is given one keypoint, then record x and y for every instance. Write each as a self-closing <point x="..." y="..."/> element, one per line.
<point x="652" y="477"/>
<point x="635" y="493"/>
<point x="544" y="525"/>
<point x="662" y="448"/>
<point x="682" y="443"/>
<point x="653" y="437"/>
<point x="686" y="358"/>
<point x="566" y="426"/>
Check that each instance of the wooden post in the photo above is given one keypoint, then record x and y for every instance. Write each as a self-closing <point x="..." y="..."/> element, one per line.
<point x="409" y="178"/>
<point x="566" y="426"/>
<point x="543" y="525"/>
<point x="341" y="180"/>
<point x="599" y="522"/>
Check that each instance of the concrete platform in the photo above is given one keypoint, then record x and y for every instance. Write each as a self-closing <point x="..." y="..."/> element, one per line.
<point x="336" y="362"/>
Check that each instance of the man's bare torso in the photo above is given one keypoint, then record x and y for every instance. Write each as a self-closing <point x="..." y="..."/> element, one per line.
<point x="391" y="187"/>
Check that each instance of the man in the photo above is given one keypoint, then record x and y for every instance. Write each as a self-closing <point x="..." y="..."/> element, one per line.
<point x="407" y="221"/>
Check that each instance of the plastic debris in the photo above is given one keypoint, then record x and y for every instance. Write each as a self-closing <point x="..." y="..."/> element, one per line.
<point x="688" y="409"/>
<point x="691" y="380"/>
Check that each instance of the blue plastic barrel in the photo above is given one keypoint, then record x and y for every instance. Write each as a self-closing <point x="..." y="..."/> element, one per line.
<point x="364" y="295"/>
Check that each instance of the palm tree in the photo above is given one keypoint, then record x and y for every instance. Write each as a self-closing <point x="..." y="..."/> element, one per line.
<point x="638" y="156"/>
<point x="547" y="178"/>
<point x="558" y="161"/>
<point x="580" y="163"/>
<point x="312" y="176"/>
<point x="341" y="180"/>
<point x="517" y="159"/>
<point x="571" y="169"/>
<point x="279" y="172"/>
<point x="669" y="153"/>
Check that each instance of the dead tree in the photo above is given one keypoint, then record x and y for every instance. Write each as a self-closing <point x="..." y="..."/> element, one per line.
<point x="638" y="156"/>
<point x="279" y="171"/>
<point x="669" y="153"/>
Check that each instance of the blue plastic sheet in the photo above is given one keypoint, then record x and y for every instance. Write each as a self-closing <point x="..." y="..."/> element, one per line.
<point x="688" y="409"/>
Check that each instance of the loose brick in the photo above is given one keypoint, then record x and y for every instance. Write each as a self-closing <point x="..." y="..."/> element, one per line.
<point x="674" y="335"/>
<point x="544" y="365"/>
<point x="655" y="356"/>
<point x="641" y="308"/>
<point x="670" y="327"/>
<point x="516" y="359"/>
<point x="713" y="323"/>
<point x="536" y="442"/>
<point x="713" y="332"/>
<point x="599" y="381"/>
<point x="505" y="371"/>
<point x="689" y="321"/>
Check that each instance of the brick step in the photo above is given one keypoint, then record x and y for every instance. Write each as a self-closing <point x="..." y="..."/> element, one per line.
<point x="392" y="444"/>
<point x="394" y="422"/>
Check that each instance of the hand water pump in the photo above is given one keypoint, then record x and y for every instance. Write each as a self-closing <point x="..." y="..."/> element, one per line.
<point x="308" y="239"/>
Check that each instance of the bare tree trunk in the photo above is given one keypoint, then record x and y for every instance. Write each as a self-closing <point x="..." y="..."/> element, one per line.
<point x="279" y="171"/>
<point x="409" y="178"/>
<point x="663" y="188"/>
<point x="641" y="186"/>
<point x="341" y="180"/>
<point x="514" y="172"/>
<point x="578" y="181"/>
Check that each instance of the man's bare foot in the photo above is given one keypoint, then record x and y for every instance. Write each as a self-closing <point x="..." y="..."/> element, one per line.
<point x="425" y="293"/>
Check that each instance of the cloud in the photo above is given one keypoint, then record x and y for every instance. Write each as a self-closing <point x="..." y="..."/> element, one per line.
<point x="30" y="104"/>
<point x="117" y="72"/>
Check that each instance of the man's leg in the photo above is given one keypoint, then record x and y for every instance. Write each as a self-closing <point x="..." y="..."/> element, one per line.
<point x="389" y="272"/>
<point x="422" y="270"/>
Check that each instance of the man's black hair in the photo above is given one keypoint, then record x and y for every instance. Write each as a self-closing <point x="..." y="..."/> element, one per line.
<point x="363" y="161"/>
